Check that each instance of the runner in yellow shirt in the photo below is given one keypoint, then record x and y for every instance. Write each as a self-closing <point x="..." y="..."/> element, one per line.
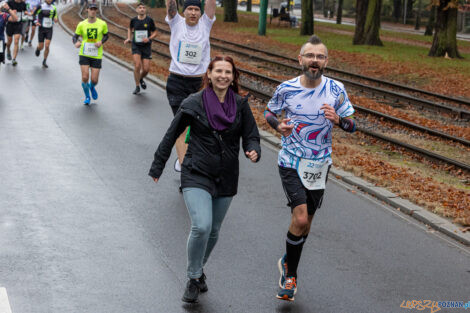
<point x="94" y="33"/>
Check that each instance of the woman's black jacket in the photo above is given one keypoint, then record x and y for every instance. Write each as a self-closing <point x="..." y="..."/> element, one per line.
<point x="211" y="161"/>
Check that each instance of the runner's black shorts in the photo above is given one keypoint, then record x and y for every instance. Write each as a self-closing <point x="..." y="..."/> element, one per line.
<point x="297" y="194"/>
<point x="44" y="33"/>
<point x="94" y="63"/>
<point x="145" y="51"/>
<point x="179" y="88"/>
<point x="14" y="28"/>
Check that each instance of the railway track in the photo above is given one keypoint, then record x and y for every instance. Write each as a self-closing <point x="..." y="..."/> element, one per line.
<point x="266" y="96"/>
<point x="372" y="86"/>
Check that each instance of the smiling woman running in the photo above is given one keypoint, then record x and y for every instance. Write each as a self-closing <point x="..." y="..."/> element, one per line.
<point x="218" y="117"/>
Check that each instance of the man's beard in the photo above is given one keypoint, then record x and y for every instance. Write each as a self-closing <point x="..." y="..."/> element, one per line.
<point x="310" y="75"/>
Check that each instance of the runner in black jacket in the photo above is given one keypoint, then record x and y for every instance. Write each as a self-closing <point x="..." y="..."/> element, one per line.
<point x="218" y="117"/>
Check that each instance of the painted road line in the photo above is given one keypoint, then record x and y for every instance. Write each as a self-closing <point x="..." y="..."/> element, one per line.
<point x="4" y="303"/>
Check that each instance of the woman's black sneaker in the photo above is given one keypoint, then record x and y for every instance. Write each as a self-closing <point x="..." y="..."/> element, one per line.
<point x="192" y="291"/>
<point x="143" y="84"/>
<point x="202" y="283"/>
<point x="137" y="90"/>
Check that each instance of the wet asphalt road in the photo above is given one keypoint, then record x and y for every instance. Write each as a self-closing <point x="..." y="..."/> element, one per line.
<point x="84" y="229"/>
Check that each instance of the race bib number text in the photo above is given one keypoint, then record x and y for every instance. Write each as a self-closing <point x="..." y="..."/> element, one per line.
<point x="47" y="22"/>
<point x="140" y="35"/>
<point x="313" y="173"/>
<point x="89" y="49"/>
<point x="190" y="53"/>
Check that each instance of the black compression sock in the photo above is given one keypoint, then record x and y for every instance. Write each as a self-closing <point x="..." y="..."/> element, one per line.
<point x="294" y="245"/>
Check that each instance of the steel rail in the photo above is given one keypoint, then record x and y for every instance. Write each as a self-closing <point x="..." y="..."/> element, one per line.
<point x="412" y="148"/>
<point x="462" y="113"/>
<point x="358" y="107"/>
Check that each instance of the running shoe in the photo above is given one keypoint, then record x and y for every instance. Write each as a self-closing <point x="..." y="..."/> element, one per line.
<point x="21" y="47"/>
<point x="30" y="44"/>
<point x="94" y="93"/>
<point x="14" y="63"/>
<point x="87" y="101"/>
<point x="288" y="290"/>
<point x="177" y="166"/>
<point x="282" y="265"/>
<point x="37" y="52"/>
<point x="8" y="55"/>
<point x="202" y="283"/>
<point x="136" y="90"/>
<point x="44" y="64"/>
<point x="143" y="84"/>
<point x="192" y="291"/>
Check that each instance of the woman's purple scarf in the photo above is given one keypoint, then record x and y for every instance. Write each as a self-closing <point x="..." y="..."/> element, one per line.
<point x="220" y="115"/>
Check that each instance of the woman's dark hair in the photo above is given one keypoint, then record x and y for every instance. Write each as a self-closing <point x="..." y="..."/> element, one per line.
<point x="207" y="83"/>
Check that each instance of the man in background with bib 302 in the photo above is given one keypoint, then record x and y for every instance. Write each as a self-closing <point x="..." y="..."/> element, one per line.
<point x="313" y="104"/>
<point x="94" y="33"/>
<point x="190" y="55"/>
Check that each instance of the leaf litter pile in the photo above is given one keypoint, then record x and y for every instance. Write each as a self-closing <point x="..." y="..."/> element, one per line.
<point x="439" y="188"/>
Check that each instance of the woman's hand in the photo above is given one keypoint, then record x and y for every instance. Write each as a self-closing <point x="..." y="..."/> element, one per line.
<point x="252" y="155"/>
<point x="155" y="179"/>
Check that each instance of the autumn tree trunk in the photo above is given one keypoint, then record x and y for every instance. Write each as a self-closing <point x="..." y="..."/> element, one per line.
<point x="431" y="21"/>
<point x="248" y="6"/>
<point x="306" y="27"/>
<point x="396" y="10"/>
<point x="339" y="14"/>
<point x="445" y="30"/>
<point x="324" y="8"/>
<point x="332" y="8"/>
<point x="418" y="16"/>
<point x="230" y="11"/>
<point x="367" y="23"/>
<point x="409" y="8"/>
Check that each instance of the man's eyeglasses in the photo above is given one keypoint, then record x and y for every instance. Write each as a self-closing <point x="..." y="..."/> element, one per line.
<point x="312" y="56"/>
